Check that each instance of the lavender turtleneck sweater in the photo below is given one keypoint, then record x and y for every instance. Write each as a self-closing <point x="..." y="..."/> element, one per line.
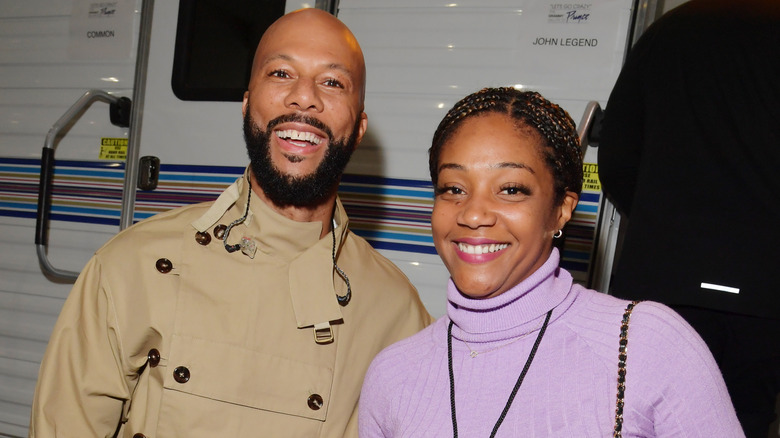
<point x="673" y="386"/>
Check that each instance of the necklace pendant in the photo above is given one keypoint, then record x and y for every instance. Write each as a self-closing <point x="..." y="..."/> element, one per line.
<point x="473" y="354"/>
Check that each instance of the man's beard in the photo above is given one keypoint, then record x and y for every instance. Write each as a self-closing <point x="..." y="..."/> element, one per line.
<point x="290" y="191"/>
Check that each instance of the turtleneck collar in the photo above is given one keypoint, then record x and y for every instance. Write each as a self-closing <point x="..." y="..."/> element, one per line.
<point x="517" y="311"/>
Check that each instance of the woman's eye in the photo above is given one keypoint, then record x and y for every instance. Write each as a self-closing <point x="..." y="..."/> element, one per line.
<point x="449" y="190"/>
<point x="516" y="190"/>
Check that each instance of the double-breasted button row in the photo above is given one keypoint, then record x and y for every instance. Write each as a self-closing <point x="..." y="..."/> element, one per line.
<point x="164" y="265"/>
<point x="203" y="238"/>
<point x="153" y="357"/>
<point x="181" y="374"/>
<point x="315" y="402"/>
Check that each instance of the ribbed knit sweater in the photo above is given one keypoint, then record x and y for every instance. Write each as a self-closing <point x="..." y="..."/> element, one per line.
<point x="673" y="386"/>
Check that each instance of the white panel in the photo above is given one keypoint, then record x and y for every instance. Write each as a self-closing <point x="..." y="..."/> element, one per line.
<point x="34" y="8"/>
<point x="422" y="56"/>
<point x="39" y="83"/>
<point x="181" y="132"/>
<point x="14" y="418"/>
<point x="429" y="276"/>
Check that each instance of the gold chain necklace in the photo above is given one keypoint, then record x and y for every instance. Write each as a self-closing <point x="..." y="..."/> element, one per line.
<point x="474" y="353"/>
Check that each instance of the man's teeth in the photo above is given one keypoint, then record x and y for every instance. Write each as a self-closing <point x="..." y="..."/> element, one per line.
<point x="292" y="134"/>
<point x="481" y="249"/>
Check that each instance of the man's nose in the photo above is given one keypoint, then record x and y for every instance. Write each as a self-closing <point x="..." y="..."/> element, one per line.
<point x="304" y="96"/>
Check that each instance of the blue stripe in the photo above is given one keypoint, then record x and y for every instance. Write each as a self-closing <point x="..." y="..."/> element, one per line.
<point x="27" y="161"/>
<point x="574" y="266"/>
<point x="385" y="191"/>
<point x="197" y="178"/>
<point x="590" y="197"/>
<point x="85" y="211"/>
<point x="587" y="208"/>
<point x="24" y="206"/>
<point x="404" y="247"/>
<point x="14" y="213"/>
<point x="379" y="180"/>
<point x="118" y="175"/>
<point x="85" y="219"/>
<point x="577" y="255"/>
<point x="35" y="170"/>
<point x="398" y="236"/>
<point x="233" y="170"/>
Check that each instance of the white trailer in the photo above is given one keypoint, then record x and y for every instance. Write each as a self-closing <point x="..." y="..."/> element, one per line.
<point x="65" y="64"/>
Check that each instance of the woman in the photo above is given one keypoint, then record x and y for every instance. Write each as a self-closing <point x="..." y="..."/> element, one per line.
<point x="523" y="351"/>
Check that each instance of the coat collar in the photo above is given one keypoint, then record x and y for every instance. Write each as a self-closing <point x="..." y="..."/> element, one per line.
<point x="313" y="283"/>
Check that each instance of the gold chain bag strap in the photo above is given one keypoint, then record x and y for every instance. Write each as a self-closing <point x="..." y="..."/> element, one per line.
<point x="622" y="356"/>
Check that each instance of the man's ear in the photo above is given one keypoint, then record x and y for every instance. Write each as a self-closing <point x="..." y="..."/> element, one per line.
<point x="361" y="128"/>
<point x="244" y="103"/>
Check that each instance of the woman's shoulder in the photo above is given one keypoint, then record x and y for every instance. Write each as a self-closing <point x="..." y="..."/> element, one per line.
<point x="597" y="318"/>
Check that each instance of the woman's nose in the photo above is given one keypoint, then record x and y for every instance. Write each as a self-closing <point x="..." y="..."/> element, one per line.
<point x="476" y="212"/>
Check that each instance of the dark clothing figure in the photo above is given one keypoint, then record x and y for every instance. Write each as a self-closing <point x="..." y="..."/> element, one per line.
<point x="690" y="154"/>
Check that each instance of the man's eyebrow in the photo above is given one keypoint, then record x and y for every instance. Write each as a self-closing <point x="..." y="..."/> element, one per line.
<point x="332" y="66"/>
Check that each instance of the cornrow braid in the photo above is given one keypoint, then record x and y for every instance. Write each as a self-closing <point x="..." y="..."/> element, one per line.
<point x="551" y="123"/>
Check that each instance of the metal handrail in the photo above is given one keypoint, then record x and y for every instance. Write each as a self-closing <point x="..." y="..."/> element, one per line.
<point x="590" y="118"/>
<point x="47" y="177"/>
<point x="136" y="116"/>
<point x="609" y="220"/>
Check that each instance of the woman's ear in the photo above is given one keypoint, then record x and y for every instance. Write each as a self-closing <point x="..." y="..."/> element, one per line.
<point x="566" y="209"/>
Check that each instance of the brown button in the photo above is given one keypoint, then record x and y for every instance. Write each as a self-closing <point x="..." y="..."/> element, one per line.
<point x="181" y="374"/>
<point x="153" y="357"/>
<point x="219" y="231"/>
<point x="315" y="402"/>
<point x="164" y="265"/>
<point x="139" y="435"/>
<point x="203" y="238"/>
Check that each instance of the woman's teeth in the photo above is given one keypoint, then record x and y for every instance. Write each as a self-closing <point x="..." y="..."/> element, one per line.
<point x="481" y="249"/>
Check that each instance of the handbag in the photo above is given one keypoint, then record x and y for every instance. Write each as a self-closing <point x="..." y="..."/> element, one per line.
<point x="622" y="356"/>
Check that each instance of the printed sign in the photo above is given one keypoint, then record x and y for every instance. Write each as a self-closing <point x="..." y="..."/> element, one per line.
<point x="101" y="29"/>
<point x="590" y="180"/>
<point x="113" y="149"/>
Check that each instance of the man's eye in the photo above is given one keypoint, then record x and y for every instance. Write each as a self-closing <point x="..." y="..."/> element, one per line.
<point x="279" y="74"/>
<point x="333" y="83"/>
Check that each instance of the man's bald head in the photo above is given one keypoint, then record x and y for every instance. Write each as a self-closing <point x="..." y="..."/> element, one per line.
<point x="314" y="28"/>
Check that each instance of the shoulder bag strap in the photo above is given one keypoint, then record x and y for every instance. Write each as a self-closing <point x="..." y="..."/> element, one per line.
<point x="622" y="356"/>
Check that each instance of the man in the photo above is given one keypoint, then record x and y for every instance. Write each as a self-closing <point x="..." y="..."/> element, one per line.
<point x="258" y="313"/>
<point x="689" y="152"/>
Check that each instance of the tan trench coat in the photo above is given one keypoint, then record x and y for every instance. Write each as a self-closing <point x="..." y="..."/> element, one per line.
<point x="218" y="344"/>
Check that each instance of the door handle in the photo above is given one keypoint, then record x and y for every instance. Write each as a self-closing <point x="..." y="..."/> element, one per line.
<point x="119" y="108"/>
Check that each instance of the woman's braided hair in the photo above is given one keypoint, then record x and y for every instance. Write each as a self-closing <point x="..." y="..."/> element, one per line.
<point x="560" y="144"/>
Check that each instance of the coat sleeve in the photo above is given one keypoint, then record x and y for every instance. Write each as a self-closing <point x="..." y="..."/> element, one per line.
<point x="622" y="135"/>
<point x="81" y="387"/>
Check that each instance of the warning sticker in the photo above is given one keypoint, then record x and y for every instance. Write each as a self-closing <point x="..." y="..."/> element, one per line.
<point x="113" y="149"/>
<point x="590" y="180"/>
